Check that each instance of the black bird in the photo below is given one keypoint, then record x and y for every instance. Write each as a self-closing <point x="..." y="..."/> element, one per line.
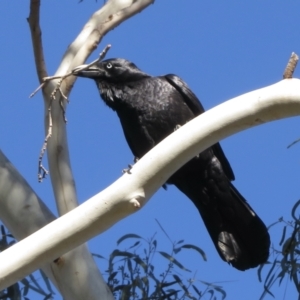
<point x="151" y="108"/>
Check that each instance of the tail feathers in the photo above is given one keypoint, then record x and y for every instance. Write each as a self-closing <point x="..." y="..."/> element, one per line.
<point x="252" y="235"/>
<point x="239" y="235"/>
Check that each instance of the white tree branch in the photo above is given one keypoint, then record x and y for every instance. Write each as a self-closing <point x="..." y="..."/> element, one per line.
<point x="132" y="191"/>
<point x="23" y="213"/>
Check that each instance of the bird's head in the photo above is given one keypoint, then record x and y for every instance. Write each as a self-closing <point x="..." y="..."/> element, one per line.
<point x="115" y="70"/>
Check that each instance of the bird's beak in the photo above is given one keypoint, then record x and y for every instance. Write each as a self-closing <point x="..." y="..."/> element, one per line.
<point x="90" y="72"/>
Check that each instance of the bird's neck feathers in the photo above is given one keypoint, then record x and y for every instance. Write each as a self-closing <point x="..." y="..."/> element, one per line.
<point x="116" y="94"/>
<point x="113" y="94"/>
<point x="107" y="93"/>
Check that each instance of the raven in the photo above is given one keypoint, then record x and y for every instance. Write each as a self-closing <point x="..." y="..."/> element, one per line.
<point x="150" y="108"/>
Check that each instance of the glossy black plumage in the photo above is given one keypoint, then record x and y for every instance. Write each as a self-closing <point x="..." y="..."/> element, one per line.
<point x="150" y="108"/>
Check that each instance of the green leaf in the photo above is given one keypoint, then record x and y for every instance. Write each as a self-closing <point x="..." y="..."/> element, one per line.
<point x="288" y="246"/>
<point x="179" y="281"/>
<point x="199" y="250"/>
<point x="294" y="211"/>
<point x="98" y="255"/>
<point x="267" y="288"/>
<point x="221" y="291"/>
<point x="259" y="270"/>
<point x="166" y="284"/>
<point x="283" y="236"/>
<point x="211" y="292"/>
<point x="170" y="293"/>
<point x="129" y="265"/>
<point x="196" y="290"/>
<point x="128" y="236"/>
<point x="269" y="273"/>
<point x="154" y="243"/>
<point x="112" y="276"/>
<point x="177" y="250"/>
<point x="293" y="143"/>
<point x="173" y="260"/>
<point x="135" y="244"/>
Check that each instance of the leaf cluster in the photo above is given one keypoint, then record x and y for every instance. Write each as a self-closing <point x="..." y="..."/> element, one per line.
<point x="286" y="263"/>
<point x="141" y="271"/>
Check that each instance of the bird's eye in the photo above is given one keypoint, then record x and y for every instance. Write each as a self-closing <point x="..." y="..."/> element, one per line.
<point x="109" y="66"/>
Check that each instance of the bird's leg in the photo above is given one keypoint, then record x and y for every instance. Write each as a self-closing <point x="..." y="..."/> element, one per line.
<point x="135" y="160"/>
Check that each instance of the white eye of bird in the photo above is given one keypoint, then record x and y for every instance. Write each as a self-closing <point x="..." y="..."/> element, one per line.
<point x="109" y="66"/>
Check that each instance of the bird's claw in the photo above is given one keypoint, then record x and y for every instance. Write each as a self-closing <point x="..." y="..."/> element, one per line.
<point x="135" y="160"/>
<point x="127" y="170"/>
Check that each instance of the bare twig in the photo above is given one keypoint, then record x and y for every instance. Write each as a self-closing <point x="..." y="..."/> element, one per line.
<point x="36" y="90"/>
<point x="291" y="66"/>
<point x="101" y="57"/>
<point x="62" y="77"/>
<point x="42" y="171"/>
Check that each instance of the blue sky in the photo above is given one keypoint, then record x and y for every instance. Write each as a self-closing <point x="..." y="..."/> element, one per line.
<point x="221" y="49"/>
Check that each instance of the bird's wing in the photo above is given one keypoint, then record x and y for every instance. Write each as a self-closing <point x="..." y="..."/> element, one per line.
<point x="189" y="97"/>
<point x="196" y="107"/>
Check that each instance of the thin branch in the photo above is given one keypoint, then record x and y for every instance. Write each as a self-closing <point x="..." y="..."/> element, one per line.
<point x="36" y="38"/>
<point x="291" y="66"/>
<point x="37" y="89"/>
<point x="42" y="171"/>
<point x="101" y="57"/>
<point x="62" y="77"/>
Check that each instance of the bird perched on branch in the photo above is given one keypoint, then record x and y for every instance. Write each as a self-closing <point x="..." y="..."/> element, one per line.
<point x="151" y="108"/>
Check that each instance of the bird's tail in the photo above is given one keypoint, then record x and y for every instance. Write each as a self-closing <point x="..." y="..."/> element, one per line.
<point x="239" y="235"/>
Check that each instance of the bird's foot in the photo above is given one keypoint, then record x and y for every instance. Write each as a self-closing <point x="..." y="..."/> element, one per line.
<point x="127" y="170"/>
<point x="135" y="160"/>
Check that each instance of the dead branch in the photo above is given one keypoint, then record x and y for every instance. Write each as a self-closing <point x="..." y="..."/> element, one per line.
<point x="62" y="77"/>
<point x="42" y="171"/>
<point x="291" y="66"/>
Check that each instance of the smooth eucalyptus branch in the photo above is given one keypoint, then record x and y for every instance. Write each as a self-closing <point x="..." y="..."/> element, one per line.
<point x="129" y="193"/>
